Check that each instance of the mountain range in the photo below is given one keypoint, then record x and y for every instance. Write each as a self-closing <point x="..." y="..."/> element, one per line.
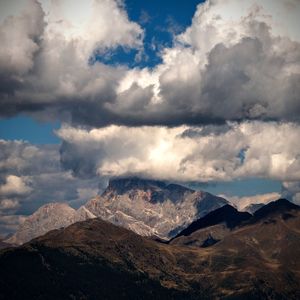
<point x="257" y="258"/>
<point x="147" y="207"/>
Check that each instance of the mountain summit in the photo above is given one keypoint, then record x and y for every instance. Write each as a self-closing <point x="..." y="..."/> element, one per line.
<point x="150" y="207"/>
<point x="150" y="190"/>
<point x="48" y="217"/>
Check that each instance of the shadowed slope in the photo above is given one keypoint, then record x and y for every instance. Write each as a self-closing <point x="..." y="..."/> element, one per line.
<point x="226" y="214"/>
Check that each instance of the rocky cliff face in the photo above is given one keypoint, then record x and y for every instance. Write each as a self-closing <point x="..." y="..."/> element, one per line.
<point x="147" y="207"/>
<point x="48" y="217"/>
<point x="150" y="207"/>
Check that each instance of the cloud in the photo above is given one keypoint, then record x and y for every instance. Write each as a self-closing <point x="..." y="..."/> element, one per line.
<point x="14" y="185"/>
<point x="237" y="61"/>
<point x="291" y="190"/>
<point x="20" y="38"/>
<point x="20" y="158"/>
<point x="47" y="62"/>
<point x="8" y="204"/>
<point x="243" y="202"/>
<point x="270" y="150"/>
<point x="9" y="224"/>
<point x="226" y="66"/>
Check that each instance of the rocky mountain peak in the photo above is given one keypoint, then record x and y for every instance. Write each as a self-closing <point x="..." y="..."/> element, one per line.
<point x="123" y="185"/>
<point x="147" y="189"/>
<point x="48" y="217"/>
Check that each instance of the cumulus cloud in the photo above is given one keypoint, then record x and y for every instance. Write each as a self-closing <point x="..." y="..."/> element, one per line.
<point x="14" y="185"/>
<point x="236" y="61"/>
<point x="250" y="149"/>
<point x="47" y="62"/>
<point x="230" y="64"/>
<point x="20" y="38"/>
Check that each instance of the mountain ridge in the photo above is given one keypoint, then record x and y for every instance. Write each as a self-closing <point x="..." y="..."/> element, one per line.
<point x="148" y="207"/>
<point x="226" y="214"/>
<point x="113" y="262"/>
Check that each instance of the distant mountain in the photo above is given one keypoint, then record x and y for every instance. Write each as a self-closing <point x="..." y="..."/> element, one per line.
<point x="211" y="228"/>
<point x="226" y="214"/>
<point x="152" y="208"/>
<point x="48" y="217"/>
<point x="281" y="206"/>
<point x="95" y="259"/>
<point x="216" y="225"/>
<point x="252" y="208"/>
<point x="147" y="207"/>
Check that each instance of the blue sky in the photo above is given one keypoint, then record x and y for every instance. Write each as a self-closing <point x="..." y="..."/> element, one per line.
<point x="27" y="128"/>
<point x="241" y="188"/>
<point x="160" y="20"/>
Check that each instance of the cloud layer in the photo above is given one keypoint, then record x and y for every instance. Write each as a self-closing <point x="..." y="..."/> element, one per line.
<point x="250" y="149"/>
<point x="232" y="56"/>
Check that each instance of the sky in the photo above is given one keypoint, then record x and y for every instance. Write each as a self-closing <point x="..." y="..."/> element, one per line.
<point x="206" y="94"/>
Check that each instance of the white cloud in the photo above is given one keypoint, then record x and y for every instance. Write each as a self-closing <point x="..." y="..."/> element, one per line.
<point x="184" y="153"/>
<point x="102" y="24"/>
<point x="45" y="61"/>
<point x="8" y="204"/>
<point x="19" y="36"/>
<point x="14" y="185"/>
<point x="238" y="55"/>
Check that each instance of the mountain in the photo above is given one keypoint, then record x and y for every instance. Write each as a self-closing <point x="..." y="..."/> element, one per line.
<point x="281" y="206"/>
<point x="212" y="227"/>
<point x="95" y="259"/>
<point x="4" y="245"/>
<point x="252" y="208"/>
<point x="152" y="208"/>
<point x="48" y="217"/>
<point x="226" y="214"/>
<point x="147" y="207"/>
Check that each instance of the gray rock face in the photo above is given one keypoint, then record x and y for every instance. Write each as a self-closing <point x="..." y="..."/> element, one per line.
<point x="150" y="207"/>
<point x="147" y="207"/>
<point x="48" y="217"/>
